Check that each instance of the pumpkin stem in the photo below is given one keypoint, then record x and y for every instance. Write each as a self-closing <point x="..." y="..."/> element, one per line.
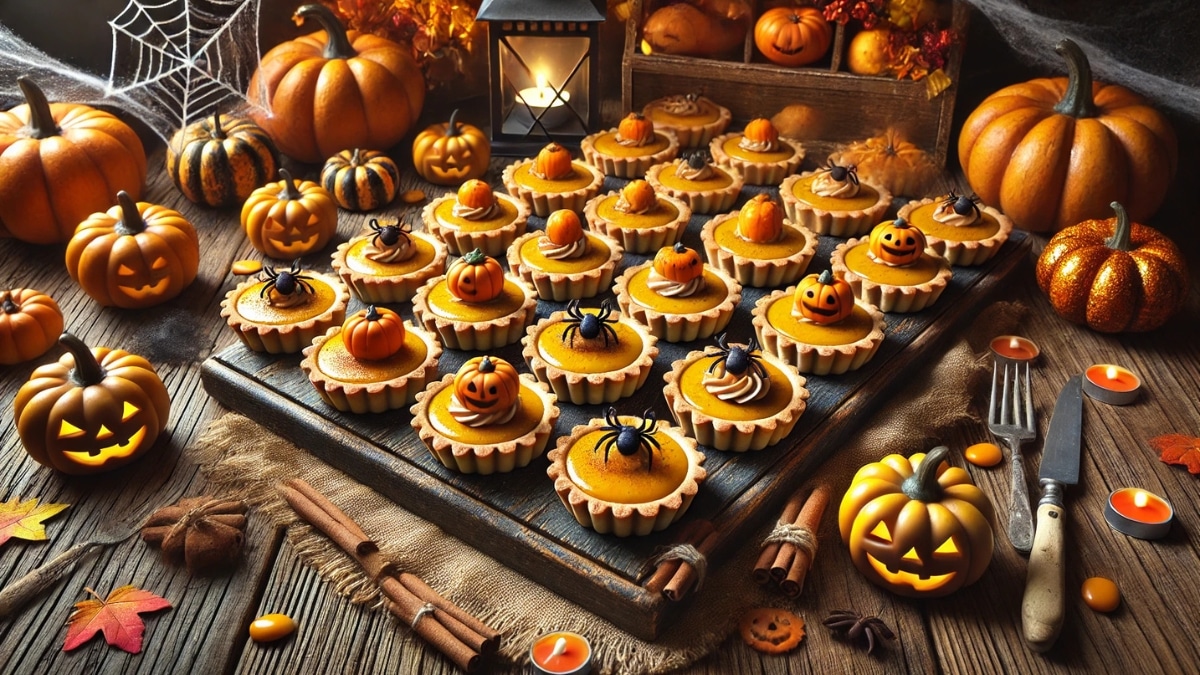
<point x="87" y="370"/>
<point x="356" y="157"/>
<point x="372" y="313"/>
<point x="1119" y="241"/>
<point x="289" y="186"/>
<point x="453" y="128"/>
<point x="825" y="278"/>
<point x="923" y="485"/>
<point x="486" y="365"/>
<point x="131" y="218"/>
<point x="8" y="305"/>
<point x="218" y="131"/>
<point x="475" y="257"/>
<point x="1077" y="100"/>
<point x="338" y="45"/>
<point x="41" y="120"/>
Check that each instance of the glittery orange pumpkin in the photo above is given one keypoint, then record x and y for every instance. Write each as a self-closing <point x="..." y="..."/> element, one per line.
<point x="475" y="277"/>
<point x="678" y="263"/>
<point x="639" y="195"/>
<point x="760" y="220"/>
<point x="487" y="384"/>
<point x="823" y="298"/>
<point x="636" y="127"/>
<point x="373" y="334"/>
<point x="896" y="243"/>
<point x="476" y="194"/>
<point x="563" y="227"/>
<point x="553" y="162"/>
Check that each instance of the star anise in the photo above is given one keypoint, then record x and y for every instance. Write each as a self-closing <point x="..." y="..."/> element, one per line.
<point x="859" y="627"/>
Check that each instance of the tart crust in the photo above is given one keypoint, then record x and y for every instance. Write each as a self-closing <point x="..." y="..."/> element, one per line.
<point x="679" y="327"/>
<point x="888" y="297"/>
<point x="492" y="242"/>
<point x="627" y="167"/>
<point x="625" y="520"/>
<point x="374" y="397"/>
<point x="638" y="239"/>
<point x="476" y="335"/>
<point x="564" y="286"/>
<point x="590" y="388"/>
<point x="729" y="435"/>
<point x="286" y="338"/>
<point x="758" y="173"/>
<point x="964" y="252"/>
<point x="847" y="223"/>
<point x="384" y="288"/>
<point x="700" y="201"/>
<point x="816" y="359"/>
<point x="545" y="203"/>
<point x="486" y="458"/>
<point x="692" y="135"/>
<point x="755" y="272"/>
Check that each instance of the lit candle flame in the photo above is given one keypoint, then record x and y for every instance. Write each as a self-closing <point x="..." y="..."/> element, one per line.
<point x="1140" y="499"/>
<point x="1014" y="343"/>
<point x="560" y="646"/>
<point x="542" y="82"/>
<point x="1111" y="373"/>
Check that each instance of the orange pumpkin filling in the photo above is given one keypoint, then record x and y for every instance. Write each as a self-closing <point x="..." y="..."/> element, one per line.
<point x="597" y="254"/>
<point x="337" y="363"/>
<point x="255" y="308"/>
<point x="445" y="215"/>
<point x="443" y="303"/>
<point x="791" y="243"/>
<point x="711" y="295"/>
<point x="695" y="393"/>
<point x="607" y="144"/>
<point x="358" y="262"/>
<point x="589" y="356"/>
<point x="624" y="479"/>
<point x="925" y="269"/>
<point x="527" y="418"/>
<point x="662" y="214"/>
<point x="669" y="177"/>
<point x="866" y="198"/>
<point x="983" y="228"/>
<point x="579" y="178"/>
<point x="847" y="331"/>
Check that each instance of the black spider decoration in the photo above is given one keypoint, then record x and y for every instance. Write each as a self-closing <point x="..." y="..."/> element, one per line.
<point x="629" y="439"/>
<point x="842" y="173"/>
<point x="286" y="282"/>
<point x="738" y="359"/>
<point x="859" y="627"/>
<point x="962" y="204"/>
<point x="697" y="160"/>
<point x="589" y="326"/>
<point x="389" y="235"/>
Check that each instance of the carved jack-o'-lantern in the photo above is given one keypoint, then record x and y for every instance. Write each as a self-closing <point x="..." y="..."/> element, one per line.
<point x="917" y="527"/>
<point x="487" y="384"/>
<point x="475" y="277"/>
<point x="93" y="410"/>
<point x="289" y="218"/>
<point x="896" y="243"/>
<point x="678" y="263"/>
<point x="823" y="298"/>
<point x="450" y="153"/>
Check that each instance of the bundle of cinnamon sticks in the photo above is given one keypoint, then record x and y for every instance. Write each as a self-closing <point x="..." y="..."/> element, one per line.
<point x="676" y="573"/>
<point x="789" y="550"/>
<point x="462" y="638"/>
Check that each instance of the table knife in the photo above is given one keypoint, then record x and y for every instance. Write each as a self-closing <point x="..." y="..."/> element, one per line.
<point x="1043" y="606"/>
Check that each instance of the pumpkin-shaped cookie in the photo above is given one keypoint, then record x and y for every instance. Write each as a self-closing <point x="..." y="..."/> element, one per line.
<point x="475" y="277"/>
<point x="219" y="162"/>
<point x="678" y="263"/>
<point x="450" y="153"/>
<point x="373" y="334"/>
<point x="361" y="180"/>
<point x="289" y="218"/>
<point x="487" y="385"/>
<point x="760" y="220"/>
<point x="823" y="298"/>
<point x="896" y="243"/>
<point x="30" y="323"/>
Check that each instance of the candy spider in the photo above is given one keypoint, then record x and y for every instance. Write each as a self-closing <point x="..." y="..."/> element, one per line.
<point x="629" y="439"/>
<point x="287" y="281"/>
<point x="738" y="359"/>
<point x="389" y="235"/>
<point x="697" y="160"/>
<point x="842" y="173"/>
<point x="589" y="326"/>
<point x="962" y="204"/>
<point x="859" y="627"/>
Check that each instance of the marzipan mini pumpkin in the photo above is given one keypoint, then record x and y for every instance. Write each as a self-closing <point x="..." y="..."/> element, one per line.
<point x="760" y="130"/>
<point x="552" y="162"/>
<point x="30" y="323"/>
<point x="896" y="243"/>
<point x="373" y="334"/>
<point x="792" y="36"/>
<point x="135" y="255"/>
<point x="289" y="218"/>
<point x="361" y="180"/>
<point x="486" y="385"/>
<point x="93" y="410"/>
<point x="475" y="277"/>
<point x="760" y="220"/>
<point x="678" y="263"/>
<point x="476" y="194"/>
<point x="639" y="195"/>
<point x="823" y="298"/>
<point x="563" y="227"/>
<point x="219" y="162"/>
<point x="636" y="128"/>
<point x="450" y="153"/>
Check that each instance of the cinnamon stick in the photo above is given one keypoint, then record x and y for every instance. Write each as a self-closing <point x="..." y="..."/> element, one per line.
<point x="405" y="606"/>
<point x="762" y="568"/>
<point x="809" y="519"/>
<point x="667" y="568"/>
<point x="686" y="575"/>
<point x="451" y="615"/>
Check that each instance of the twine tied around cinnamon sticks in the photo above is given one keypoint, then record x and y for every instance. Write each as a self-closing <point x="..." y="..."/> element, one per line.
<point x="789" y="550"/>
<point x="677" y="569"/>
<point x="462" y="638"/>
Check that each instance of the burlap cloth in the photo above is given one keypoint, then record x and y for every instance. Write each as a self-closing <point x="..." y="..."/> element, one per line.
<point x="242" y="459"/>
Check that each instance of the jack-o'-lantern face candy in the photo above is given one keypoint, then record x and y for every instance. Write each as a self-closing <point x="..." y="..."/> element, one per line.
<point x="475" y="277"/>
<point x="823" y="298"/>
<point x="487" y="385"/>
<point x="896" y="243"/>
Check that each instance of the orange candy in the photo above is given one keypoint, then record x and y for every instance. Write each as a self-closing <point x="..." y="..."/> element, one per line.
<point x="271" y="627"/>
<point x="1101" y="594"/>
<point x="984" y="454"/>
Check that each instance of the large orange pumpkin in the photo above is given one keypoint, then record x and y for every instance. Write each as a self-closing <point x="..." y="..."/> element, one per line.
<point x="792" y="36"/>
<point x="1052" y="152"/>
<point x="60" y="163"/>
<point x="335" y="89"/>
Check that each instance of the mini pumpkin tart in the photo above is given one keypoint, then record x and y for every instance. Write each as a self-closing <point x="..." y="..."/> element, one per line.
<point x="283" y="312"/>
<point x="697" y="182"/>
<point x="959" y="228"/>
<point x="476" y="218"/>
<point x="552" y="181"/>
<point x="631" y="148"/>
<point x="485" y="418"/>
<point x="694" y="119"/>
<point x="677" y="296"/>
<point x="758" y="153"/>
<point x="642" y="220"/>
<point x="834" y="201"/>
<point x="757" y="245"/>
<point x="564" y="262"/>
<point x="736" y="398"/>
<point x="475" y="305"/>
<point x="645" y="485"/>
<point x="389" y="263"/>
<point x="587" y="356"/>
<point x="892" y="268"/>
<point x="818" y="327"/>
<point x="371" y="363"/>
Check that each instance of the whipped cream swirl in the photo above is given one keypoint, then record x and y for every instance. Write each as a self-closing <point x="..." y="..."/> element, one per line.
<point x="945" y="214"/>
<point x="634" y="142"/>
<point x="461" y="210"/>
<point x="285" y="301"/>
<point x="673" y="289"/>
<point x="475" y="420"/>
<point x="396" y="253"/>
<point x="555" y="251"/>
<point x="682" y="104"/>
<point x="744" y="388"/>
<point x="758" y="146"/>
<point x="825" y="185"/>
<point x="687" y="171"/>
<point x="624" y="206"/>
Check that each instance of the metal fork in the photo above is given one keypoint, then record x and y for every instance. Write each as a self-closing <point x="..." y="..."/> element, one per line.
<point x="1010" y="417"/>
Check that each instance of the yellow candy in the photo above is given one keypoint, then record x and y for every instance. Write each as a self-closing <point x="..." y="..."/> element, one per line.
<point x="984" y="454"/>
<point x="1101" y="594"/>
<point x="271" y="627"/>
<point x="244" y="267"/>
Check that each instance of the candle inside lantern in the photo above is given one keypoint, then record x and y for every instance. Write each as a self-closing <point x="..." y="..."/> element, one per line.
<point x="1138" y="513"/>
<point x="561" y="653"/>
<point x="1014" y="348"/>
<point x="1111" y="384"/>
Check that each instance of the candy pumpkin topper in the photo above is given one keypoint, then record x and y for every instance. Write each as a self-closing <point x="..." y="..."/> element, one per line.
<point x="678" y="263"/>
<point x="475" y="277"/>
<point x="373" y="334"/>
<point x="896" y="243"/>
<point x="488" y="386"/>
<point x="760" y="220"/>
<point x="823" y="298"/>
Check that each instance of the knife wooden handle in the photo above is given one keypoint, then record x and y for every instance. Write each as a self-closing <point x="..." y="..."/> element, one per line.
<point x="38" y="580"/>
<point x="1043" y="608"/>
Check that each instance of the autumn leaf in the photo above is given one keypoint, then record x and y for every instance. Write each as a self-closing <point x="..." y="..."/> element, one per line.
<point x="117" y="617"/>
<point x="1178" y="449"/>
<point x="23" y="520"/>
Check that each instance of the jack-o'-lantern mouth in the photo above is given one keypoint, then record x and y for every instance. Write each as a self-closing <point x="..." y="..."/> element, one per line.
<point x="823" y="311"/>
<point x="790" y="51"/>
<point x="919" y="582"/>
<point x="101" y="456"/>
<point x="899" y="253"/>
<point x="481" y="403"/>
<point x="146" y="289"/>
<point x="452" y="172"/>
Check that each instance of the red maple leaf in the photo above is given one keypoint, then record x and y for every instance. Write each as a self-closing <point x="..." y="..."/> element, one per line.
<point x="1178" y="449"/>
<point x="117" y="617"/>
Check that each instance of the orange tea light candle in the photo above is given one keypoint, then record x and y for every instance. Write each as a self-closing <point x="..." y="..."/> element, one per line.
<point x="561" y="653"/>
<point x="1138" y="513"/>
<point x="1014" y="348"/>
<point x="1111" y="384"/>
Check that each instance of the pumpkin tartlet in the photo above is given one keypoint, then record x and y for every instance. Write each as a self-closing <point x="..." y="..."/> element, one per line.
<point x="485" y="418"/>
<point x="564" y="262"/>
<point x="476" y="218"/>
<point x="694" y="119"/>
<point x="475" y="305"/>
<point x="757" y="245"/>
<point x="677" y="296"/>
<point x="736" y="398"/>
<point x="834" y="201"/>
<point x="626" y="475"/>
<point x="642" y="220"/>
<point x="758" y="153"/>
<point x="892" y="269"/>
<point x="372" y="363"/>
<point x="587" y="356"/>
<point x="389" y="264"/>
<point x="629" y="149"/>
<point x="697" y="182"/>
<point x="818" y="327"/>
<point x="552" y="181"/>
<point x="959" y="228"/>
<point x="283" y="312"/>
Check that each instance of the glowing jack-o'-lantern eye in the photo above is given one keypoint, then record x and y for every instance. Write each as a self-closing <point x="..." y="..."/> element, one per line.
<point x="124" y="270"/>
<point x="881" y="531"/>
<point x="158" y="264"/>
<point x="68" y="430"/>
<point x="129" y="411"/>
<point x="912" y="555"/>
<point x="947" y="547"/>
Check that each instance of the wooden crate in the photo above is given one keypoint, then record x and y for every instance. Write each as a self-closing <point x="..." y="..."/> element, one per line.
<point x="853" y="107"/>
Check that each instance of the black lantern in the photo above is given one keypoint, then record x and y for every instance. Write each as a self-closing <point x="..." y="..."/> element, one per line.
<point x="544" y="71"/>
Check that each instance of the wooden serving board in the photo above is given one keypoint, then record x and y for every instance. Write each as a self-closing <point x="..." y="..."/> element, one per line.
<point x="518" y="519"/>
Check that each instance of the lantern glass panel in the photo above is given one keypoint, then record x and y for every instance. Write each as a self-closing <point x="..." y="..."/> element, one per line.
<point x="550" y="74"/>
